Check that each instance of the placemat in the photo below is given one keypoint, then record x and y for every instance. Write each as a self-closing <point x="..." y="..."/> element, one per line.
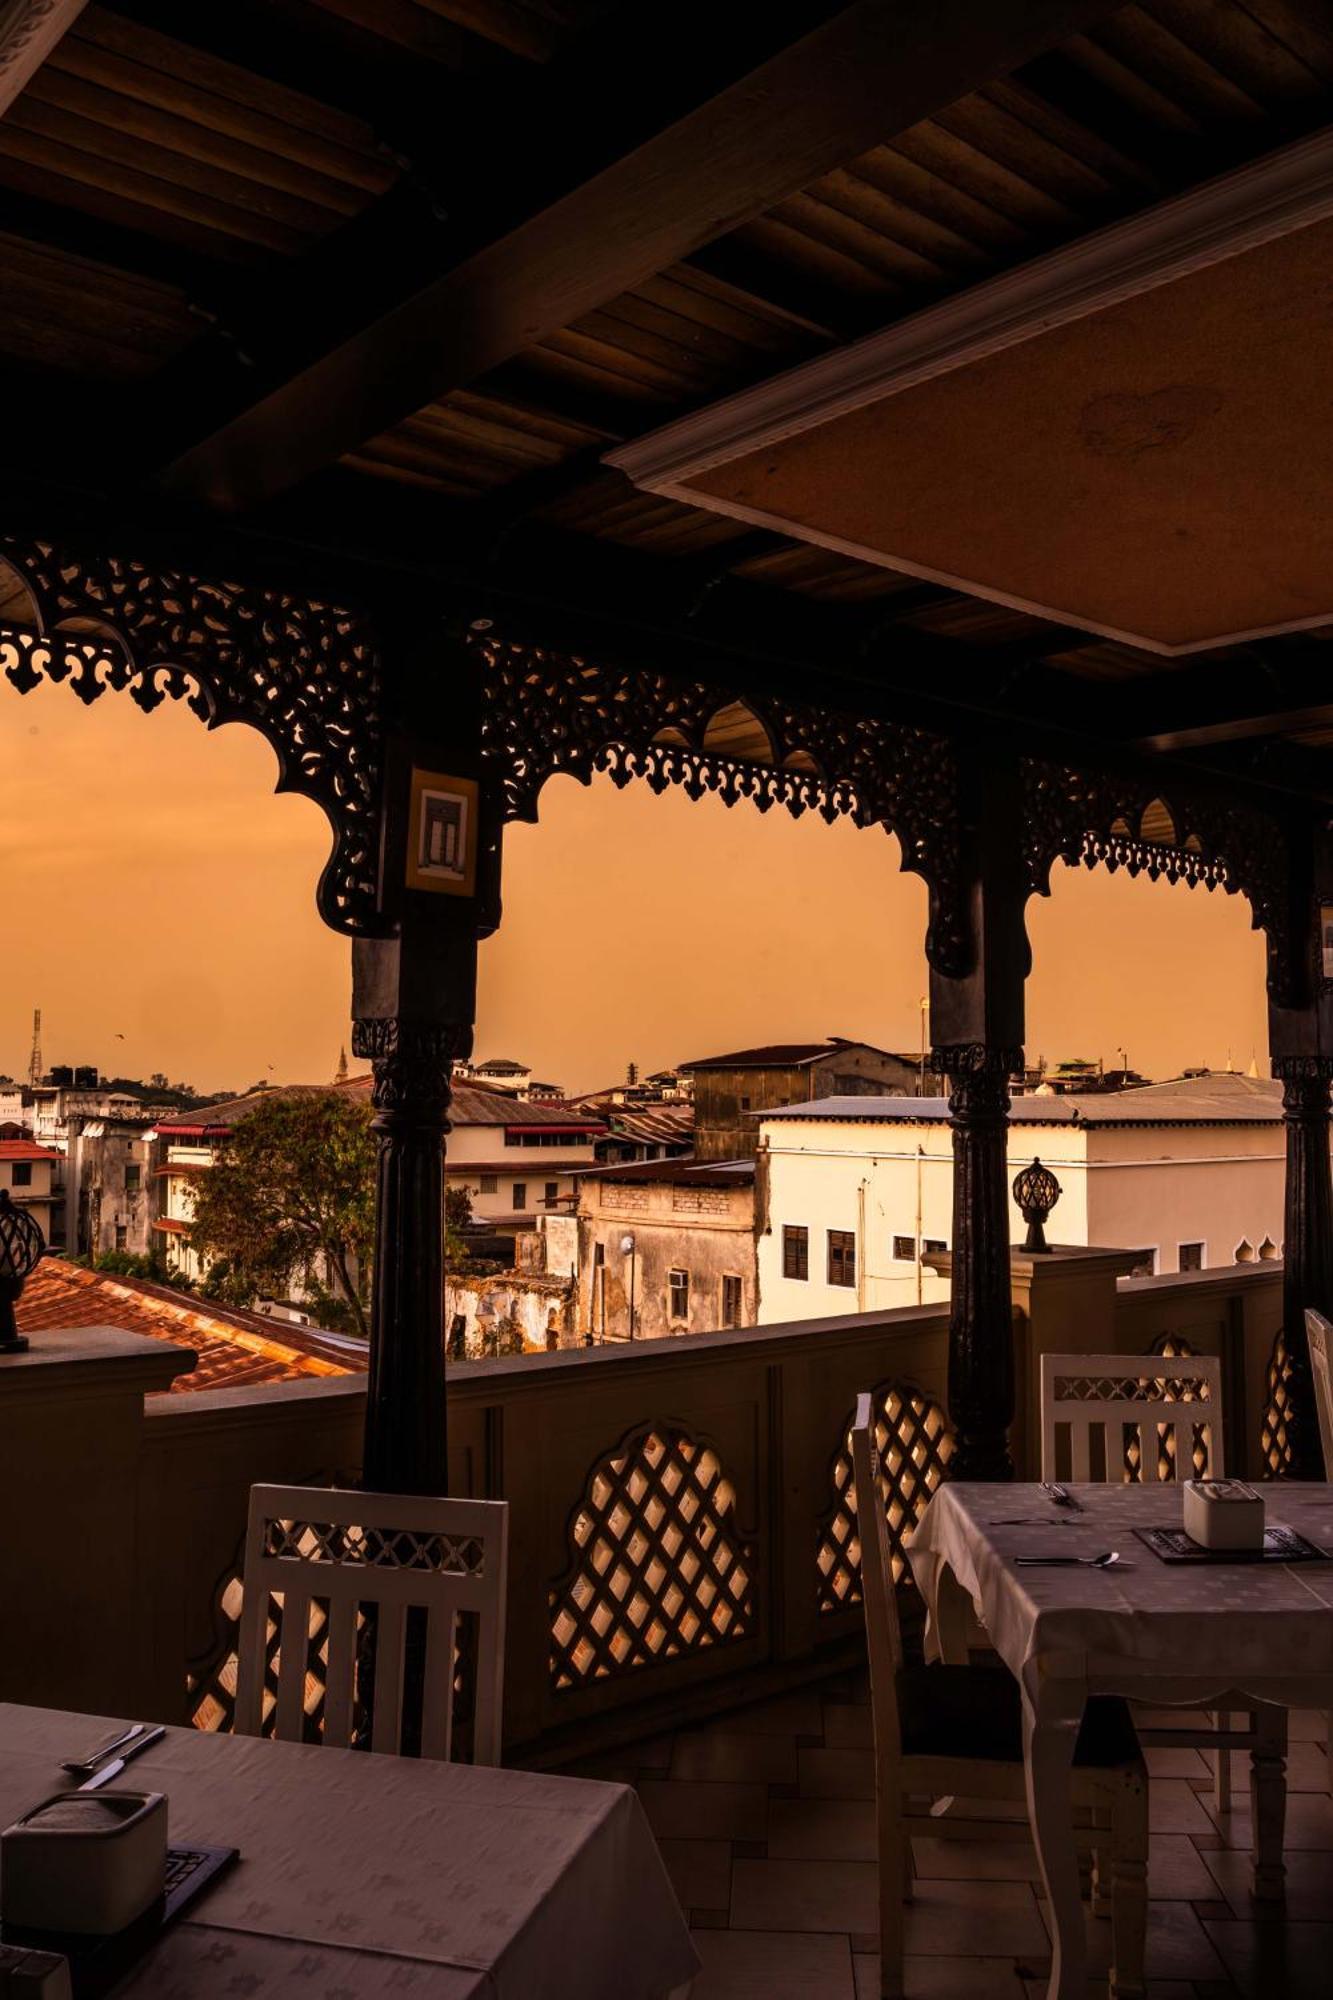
<point x="95" y="1963"/>
<point x="1281" y="1545"/>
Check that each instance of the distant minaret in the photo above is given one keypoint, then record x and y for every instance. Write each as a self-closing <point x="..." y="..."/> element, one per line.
<point x="341" y="1073"/>
<point x="35" y="1060"/>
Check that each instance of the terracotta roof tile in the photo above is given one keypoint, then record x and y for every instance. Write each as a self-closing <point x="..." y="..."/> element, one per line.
<point x="231" y="1352"/>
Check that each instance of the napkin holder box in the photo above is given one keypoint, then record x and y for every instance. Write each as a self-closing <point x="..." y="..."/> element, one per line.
<point x="1223" y="1514"/>
<point x="85" y="1862"/>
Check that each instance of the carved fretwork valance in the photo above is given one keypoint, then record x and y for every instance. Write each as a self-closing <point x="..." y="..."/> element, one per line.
<point x="545" y="713"/>
<point x="302" y="672"/>
<point x="1124" y="822"/>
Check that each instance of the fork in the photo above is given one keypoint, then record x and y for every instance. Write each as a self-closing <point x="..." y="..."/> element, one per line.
<point x="83" y="1767"/>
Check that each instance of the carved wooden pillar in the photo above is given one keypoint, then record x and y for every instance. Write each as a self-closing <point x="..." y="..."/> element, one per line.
<point x="1300" y="1036"/>
<point x="981" y="1348"/>
<point x="978" y="965"/>
<point x="413" y="1006"/>
<point x="405" y="1440"/>
<point x="1307" y="1271"/>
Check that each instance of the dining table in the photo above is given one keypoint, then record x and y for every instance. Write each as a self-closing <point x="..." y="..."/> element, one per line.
<point x="1164" y="1633"/>
<point x="363" y="1875"/>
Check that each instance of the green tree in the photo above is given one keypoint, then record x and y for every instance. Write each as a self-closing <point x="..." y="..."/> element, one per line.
<point x="292" y="1189"/>
<point x="457" y="1217"/>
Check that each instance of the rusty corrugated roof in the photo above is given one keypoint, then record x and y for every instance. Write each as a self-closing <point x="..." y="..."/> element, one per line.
<point x="232" y="1352"/>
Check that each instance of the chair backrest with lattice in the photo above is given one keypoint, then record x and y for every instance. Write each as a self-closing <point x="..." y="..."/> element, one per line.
<point x="1123" y="1416"/>
<point x="316" y="1559"/>
<point x="883" y="1636"/>
<point x="1319" y="1334"/>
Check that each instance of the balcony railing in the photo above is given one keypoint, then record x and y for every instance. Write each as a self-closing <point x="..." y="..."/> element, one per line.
<point x="683" y="1525"/>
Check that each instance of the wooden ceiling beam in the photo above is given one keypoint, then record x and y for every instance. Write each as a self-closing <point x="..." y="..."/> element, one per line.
<point x="29" y="30"/>
<point x="1271" y="691"/>
<point x="692" y="168"/>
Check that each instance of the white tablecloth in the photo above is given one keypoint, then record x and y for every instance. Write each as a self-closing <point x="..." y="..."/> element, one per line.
<point x="1266" y="1627"/>
<point x="363" y="1875"/>
<point x="1165" y="1632"/>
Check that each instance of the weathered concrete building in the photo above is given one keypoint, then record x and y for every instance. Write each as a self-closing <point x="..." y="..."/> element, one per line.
<point x="666" y="1248"/>
<point x="110" y="1188"/>
<point x="729" y="1090"/>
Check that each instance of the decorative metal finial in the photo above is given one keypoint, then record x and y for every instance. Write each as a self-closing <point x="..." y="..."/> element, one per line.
<point x="1036" y="1190"/>
<point x="21" y="1246"/>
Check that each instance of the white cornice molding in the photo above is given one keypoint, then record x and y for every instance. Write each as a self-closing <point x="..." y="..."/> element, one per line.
<point x="29" y="30"/>
<point x="1286" y="191"/>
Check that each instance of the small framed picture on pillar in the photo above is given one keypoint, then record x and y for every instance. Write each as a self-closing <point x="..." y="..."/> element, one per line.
<point x="1326" y="939"/>
<point x="442" y="834"/>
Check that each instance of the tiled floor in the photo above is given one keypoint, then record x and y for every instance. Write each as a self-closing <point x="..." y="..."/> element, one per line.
<point x="765" y="1819"/>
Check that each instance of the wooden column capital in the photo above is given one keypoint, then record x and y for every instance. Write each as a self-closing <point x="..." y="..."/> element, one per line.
<point x="412" y="1063"/>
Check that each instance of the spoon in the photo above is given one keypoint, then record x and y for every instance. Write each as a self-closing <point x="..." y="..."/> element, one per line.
<point x="1108" y="1559"/>
<point x="83" y="1767"/>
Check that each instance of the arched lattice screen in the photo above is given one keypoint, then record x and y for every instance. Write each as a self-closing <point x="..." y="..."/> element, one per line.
<point x="658" y="1564"/>
<point x="914" y="1444"/>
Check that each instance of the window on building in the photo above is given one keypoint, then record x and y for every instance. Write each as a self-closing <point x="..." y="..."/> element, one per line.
<point x="841" y="1257"/>
<point x="490" y="1184"/>
<point x="133" y="1177"/>
<point x="745" y="1104"/>
<point x="795" y="1250"/>
<point x="934" y="1244"/>
<point x="520" y="1194"/>
<point x="1243" y="1252"/>
<point x="678" y="1294"/>
<point x="122" y="1236"/>
<point x="904" y="1249"/>
<point x="731" y="1301"/>
<point x="1146" y="1266"/>
<point x="1268" y="1250"/>
<point x="1190" y="1257"/>
<point x="21" y="1172"/>
<point x="552" y="1194"/>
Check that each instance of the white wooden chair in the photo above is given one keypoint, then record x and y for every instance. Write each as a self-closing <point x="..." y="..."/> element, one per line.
<point x="1319" y="1335"/>
<point x="317" y="1553"/>
<point x="957" y="1732"/>
<point x="1094" y="1409"/>
<point x="1166" y="1400"/>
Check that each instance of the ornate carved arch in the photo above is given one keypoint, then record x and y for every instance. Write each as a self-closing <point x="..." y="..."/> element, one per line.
<point x="1125" y="822"/>
<point x="546" y="712"/>
<point x="305" y="673"/>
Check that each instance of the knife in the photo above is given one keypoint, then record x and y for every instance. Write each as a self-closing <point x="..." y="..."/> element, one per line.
<point x="117" y="1764"/>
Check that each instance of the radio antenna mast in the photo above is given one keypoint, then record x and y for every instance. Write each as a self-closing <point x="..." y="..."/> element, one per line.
<point x="35" y="1060"/>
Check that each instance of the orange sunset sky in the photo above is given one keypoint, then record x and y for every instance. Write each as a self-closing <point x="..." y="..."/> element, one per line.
<point x="159" y="908"/>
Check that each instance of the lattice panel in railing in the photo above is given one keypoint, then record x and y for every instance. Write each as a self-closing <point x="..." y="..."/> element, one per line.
<point x="914" y="1444"/>
<point x="1273" y="1440"/>
<point x="1143" y="1387"/>
<point x="658" y="1566"/>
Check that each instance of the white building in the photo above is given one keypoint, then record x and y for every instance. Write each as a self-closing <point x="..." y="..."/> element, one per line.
<point x="503" y="1073"/>
<point x="517" y="1159"/>
<point x="27" y="1173"/>
<point x="854" y="1191"/>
